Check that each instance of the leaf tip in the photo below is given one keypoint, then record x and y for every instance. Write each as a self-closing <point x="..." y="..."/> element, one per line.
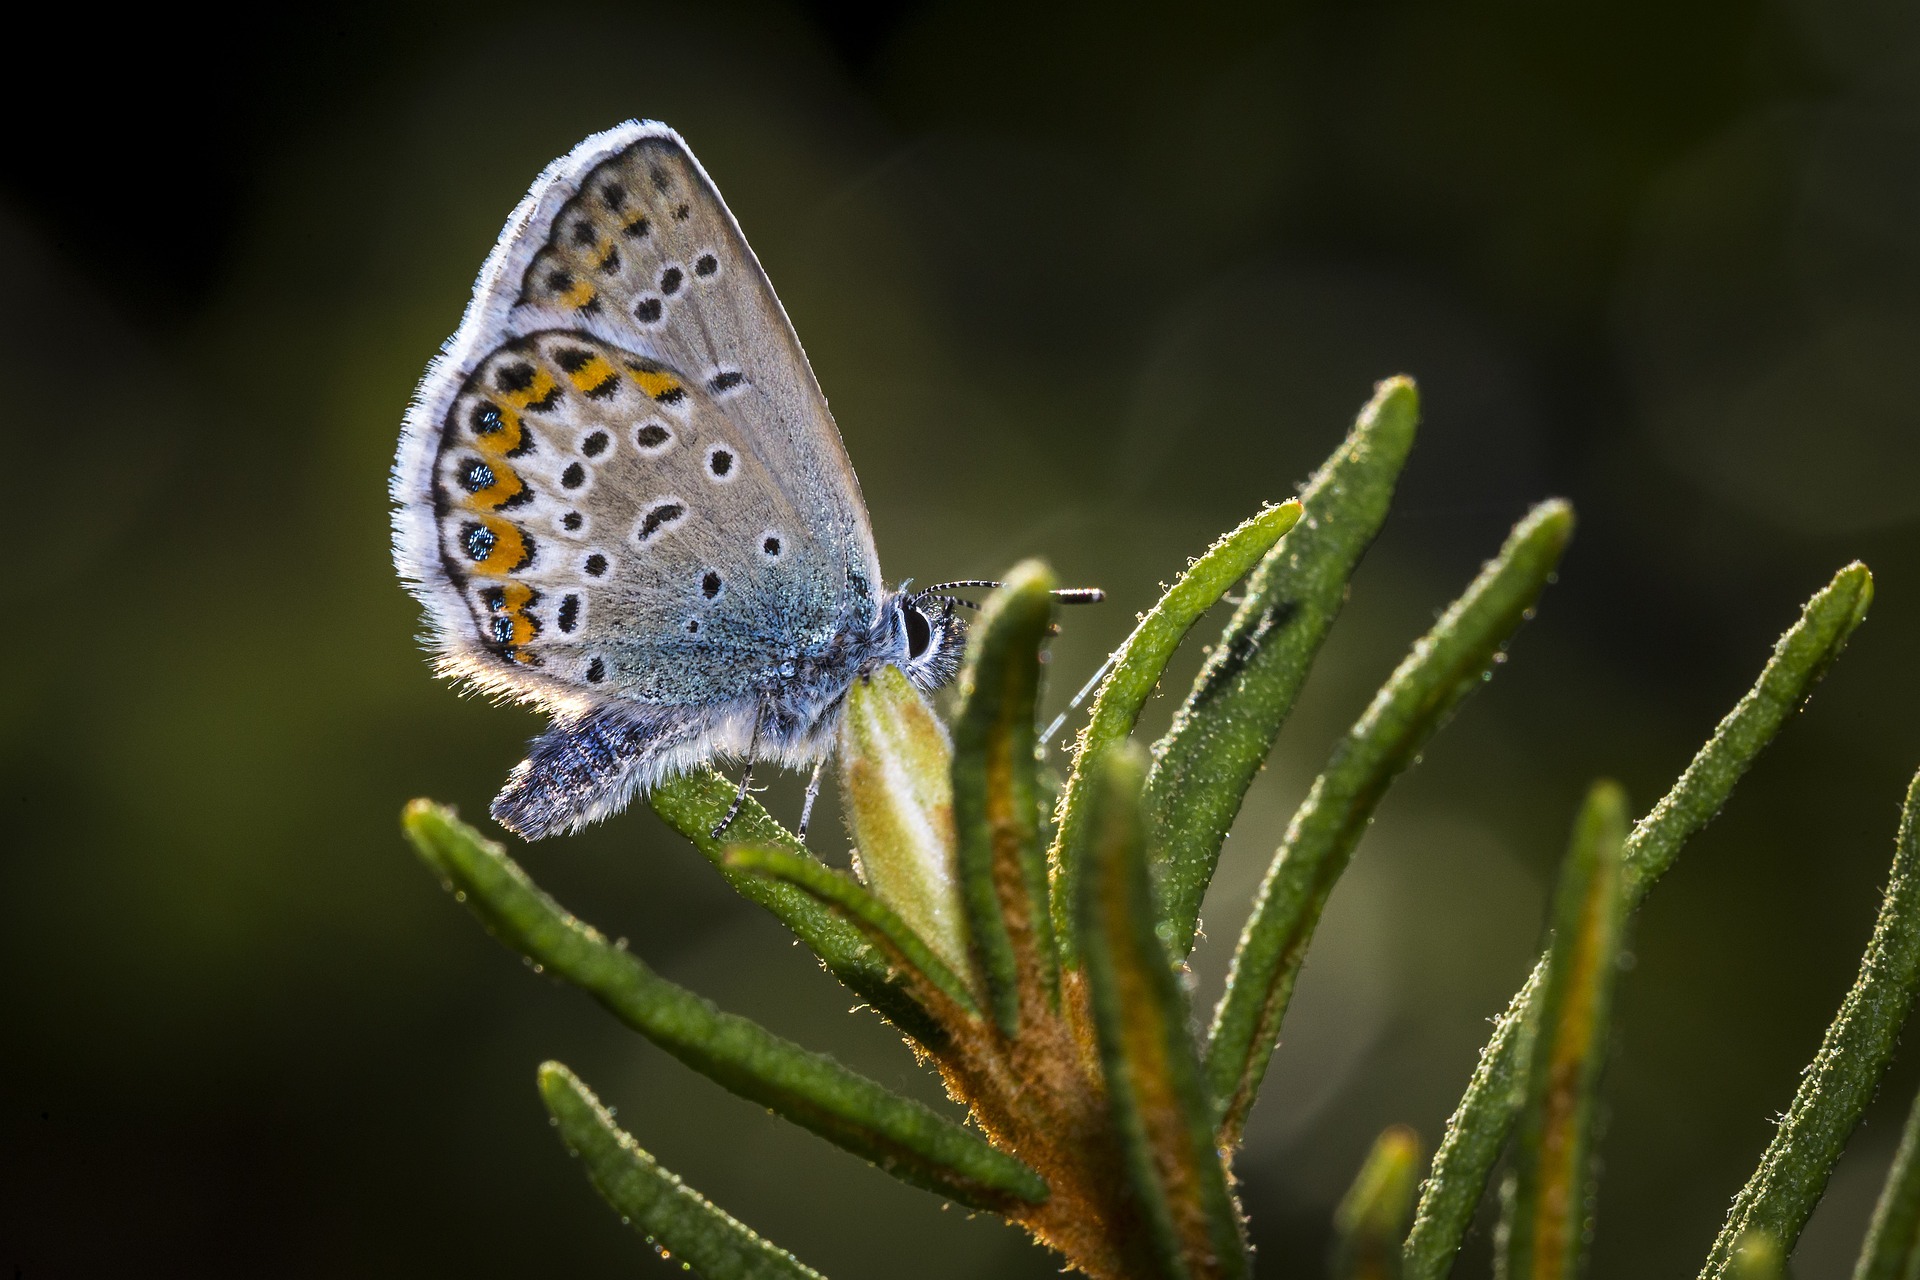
<point x="1859" y="579"/>
<point x="556" y="1080"/>
<point x="1608" y="800"/>
<point x="1371" y="1219"/>
<point x="1554" y="518"/>
<point x="433" y="829"/>
<point x="1400" y="393"/>
<point x="421" y="814"/>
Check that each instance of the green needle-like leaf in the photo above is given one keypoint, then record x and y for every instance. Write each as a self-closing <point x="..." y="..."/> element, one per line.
<point x="996" y="799"/>
<point x="1372" y="1217"/>
<point x="1140" y="1017"/>
<point x="896" y="779"/>
<point x="676" y="1220"/>
<point x="1892" y="1249"/>
<point x="1801" y="657"/>
<point x="882" y="925"/>
<point x="1223" y="734"/>
<point x="1839" y="1082"/>
<point x="1544" y="1226"/>
<point x="1444" y="666"/>
<point x="810" y="1089"/>
<point x="1136" y="670"/>
<point x="693" y="805"/>
<point x="1485" y="1115"/>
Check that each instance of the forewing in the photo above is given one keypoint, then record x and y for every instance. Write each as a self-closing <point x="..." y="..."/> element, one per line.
<point x="560" y="510"/>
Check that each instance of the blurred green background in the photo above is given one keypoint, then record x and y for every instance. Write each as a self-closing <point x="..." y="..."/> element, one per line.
<point x="1082" y="282"/>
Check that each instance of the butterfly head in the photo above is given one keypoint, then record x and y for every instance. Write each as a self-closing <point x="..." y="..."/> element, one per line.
<point x="923" y="636"/>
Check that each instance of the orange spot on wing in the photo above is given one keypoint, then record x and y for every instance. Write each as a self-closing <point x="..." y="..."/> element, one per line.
<point x="580" y="295"/>
<point x="518" y="596"/>
<point x="655" y="382"/>
<point x="535" y="392"/>
<point x="591" y="374"/>
<point x="512" y="434"/>
<point x="505" y="488"/>
<point x="509" y="550"/>
<point x="497" y="444"/>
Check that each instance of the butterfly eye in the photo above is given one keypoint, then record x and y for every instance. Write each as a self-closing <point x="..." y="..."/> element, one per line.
<point x="919" y="631"/>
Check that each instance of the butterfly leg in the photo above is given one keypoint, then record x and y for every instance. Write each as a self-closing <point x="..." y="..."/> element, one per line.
<point x="813" y="793"/>
<point x="746" y="781"/>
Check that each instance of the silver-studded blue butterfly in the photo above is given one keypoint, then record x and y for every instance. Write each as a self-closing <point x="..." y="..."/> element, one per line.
<point x="620" y="497"/>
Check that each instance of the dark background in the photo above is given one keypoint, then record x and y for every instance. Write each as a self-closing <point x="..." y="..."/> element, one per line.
<point x="1082" y="283"/>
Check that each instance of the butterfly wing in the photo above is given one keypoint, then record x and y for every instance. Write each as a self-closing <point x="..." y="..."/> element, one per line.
<point x="620" y="478"/>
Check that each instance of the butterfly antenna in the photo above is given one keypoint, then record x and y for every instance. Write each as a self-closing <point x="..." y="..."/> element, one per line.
<point x="1065" y="595"/>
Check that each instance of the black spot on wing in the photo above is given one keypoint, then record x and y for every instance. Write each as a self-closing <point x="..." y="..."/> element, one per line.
<point x="660" y="516"/>
<point x="475" y="475"/>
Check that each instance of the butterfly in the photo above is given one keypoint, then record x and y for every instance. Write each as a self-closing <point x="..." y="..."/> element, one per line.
<point x="620" y="498"/>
